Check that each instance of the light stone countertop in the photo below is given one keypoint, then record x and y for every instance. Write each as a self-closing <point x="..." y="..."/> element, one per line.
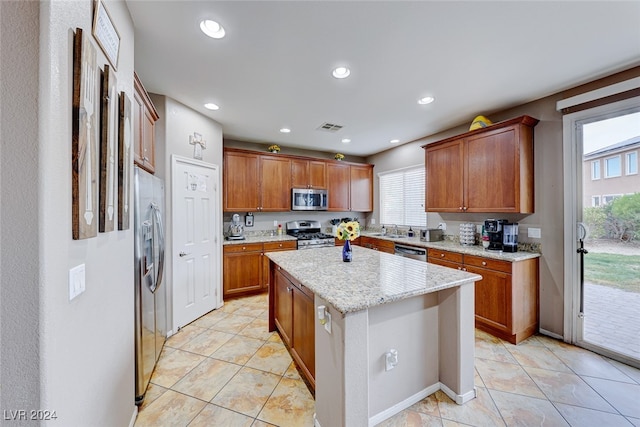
<point x="445" y="245"/>
<point x="260" y="239"/>
<point x="373" y="278"/>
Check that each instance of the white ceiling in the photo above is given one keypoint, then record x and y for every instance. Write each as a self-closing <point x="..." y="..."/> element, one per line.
<point x="273" y="68"/>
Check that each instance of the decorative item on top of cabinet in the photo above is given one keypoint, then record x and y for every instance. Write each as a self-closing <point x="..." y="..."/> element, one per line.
<point x="485" y="170"/>
<point x="144" y="119"/>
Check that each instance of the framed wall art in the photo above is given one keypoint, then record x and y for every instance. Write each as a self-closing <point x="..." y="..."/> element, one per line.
<point x="84" y="138"/>
<point x="125" y="135"/>
<point x="106" y="33"/>
<point x="108" y="137"/>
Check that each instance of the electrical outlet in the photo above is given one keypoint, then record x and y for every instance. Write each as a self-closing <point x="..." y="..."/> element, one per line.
<point x="373" y="221"/>
<point x="442" y="226"/>
<point x="275" y="222"/>
<point x="534" y="233"/>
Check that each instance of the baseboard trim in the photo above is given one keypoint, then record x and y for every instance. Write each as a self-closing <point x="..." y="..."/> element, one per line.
<point x="551" y="334"/>
<point x="134" y="416"/>
<point x="460" y="399"/>
<point x="400" y="406"/>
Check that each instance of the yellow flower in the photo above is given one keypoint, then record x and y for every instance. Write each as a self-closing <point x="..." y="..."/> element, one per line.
<point x="348" y="230"/>
<point x="274" y="148"/>
<point x="338" y="156"/>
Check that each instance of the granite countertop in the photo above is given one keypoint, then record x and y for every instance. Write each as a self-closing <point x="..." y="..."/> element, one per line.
<point x="260" y="239"/>
<point x="373" y="278"/>
<point x="457" y="247"/>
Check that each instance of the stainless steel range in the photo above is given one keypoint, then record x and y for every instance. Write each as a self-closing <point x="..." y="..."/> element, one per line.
<point x="309" y="234"/>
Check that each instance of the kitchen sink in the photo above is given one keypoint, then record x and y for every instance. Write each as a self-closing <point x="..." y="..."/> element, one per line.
<point x="391" y="236"/>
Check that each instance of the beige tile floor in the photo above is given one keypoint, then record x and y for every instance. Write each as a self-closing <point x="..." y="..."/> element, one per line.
<point x="226" y="369"/>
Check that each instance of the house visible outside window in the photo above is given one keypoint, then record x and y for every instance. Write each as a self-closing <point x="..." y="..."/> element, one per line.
<point x="595" y="169"/>
<point x="402" y="197"/>
<point x="612" y="167"/>
<point x="595" y="201"/>
<point x="632" y="163"/>
<point x="610" y="198"/>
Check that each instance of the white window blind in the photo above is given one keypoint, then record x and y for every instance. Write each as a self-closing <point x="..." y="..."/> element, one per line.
<point x="402" y="197"/>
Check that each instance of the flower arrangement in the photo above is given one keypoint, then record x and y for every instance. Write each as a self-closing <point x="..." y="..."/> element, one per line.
<point x="274" y="148"/>
<point x="339" y="156"/>
<point x="348" y="230"/>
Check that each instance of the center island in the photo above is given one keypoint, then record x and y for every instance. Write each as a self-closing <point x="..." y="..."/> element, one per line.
<point x="386" y="331"/>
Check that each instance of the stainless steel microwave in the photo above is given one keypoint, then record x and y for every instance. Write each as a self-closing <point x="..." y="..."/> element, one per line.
<point x="308" y="199"/>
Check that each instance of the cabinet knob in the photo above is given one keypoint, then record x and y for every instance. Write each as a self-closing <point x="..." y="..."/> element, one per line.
<point x="280" y="244"/>
<point x="464" y="208"/>
<point x="484" y="262"/>
<point x="288" y="289"/>
<point x="244" y="248"/>
<point x="459" y="207"/>
<point x="459" y="268"/>
<point x="442" y="255"/>
<point x="464" y="269"/>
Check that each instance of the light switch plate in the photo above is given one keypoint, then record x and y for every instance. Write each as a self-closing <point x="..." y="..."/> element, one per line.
<point x="76" y="281"/>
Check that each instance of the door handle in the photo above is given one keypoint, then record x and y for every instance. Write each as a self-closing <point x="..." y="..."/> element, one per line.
<point x="183" y="254"/>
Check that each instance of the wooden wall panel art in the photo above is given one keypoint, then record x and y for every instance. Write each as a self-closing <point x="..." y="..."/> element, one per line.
<point x="85" y="101"/>
<point x="125" y="135"/>
<point x="109" y="125"/>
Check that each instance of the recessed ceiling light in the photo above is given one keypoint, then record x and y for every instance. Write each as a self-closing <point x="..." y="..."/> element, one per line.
<point x="426" y="100"/>
<point x="346" y="140"/>
<point x="341" y="72"/>
<point x="212" y="29"/>
<point x="394" y="141"/>
<point x="211" y="106"/>
<point x="285" y="130"/>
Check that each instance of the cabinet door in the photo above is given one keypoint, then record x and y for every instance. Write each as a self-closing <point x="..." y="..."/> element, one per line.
<point x="493" y="298"/>
<point x="148" y="141"/>
<point x="144" y="119"/>
<point x="242" y="272"/>
<point x="275" y="184"/>
<point x="299" y="173"/>
<point x="241" y="182"/>
<point x="304" y="331"/>
<point x="317" y="174"/>
<point x="338" y="178"/>
<point x="444" y="177"/>
<point x="361" y="188"/>
<point x="283" y="306"/>
<point x="138" y="113"/>
<point x="492" y="178"/>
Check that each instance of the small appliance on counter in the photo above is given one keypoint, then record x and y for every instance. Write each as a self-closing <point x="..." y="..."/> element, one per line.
<point x="510" y="237"/>
<point x="236" y="229"/>
<point x="431" y="235"/>
<point x="494" y="227"/>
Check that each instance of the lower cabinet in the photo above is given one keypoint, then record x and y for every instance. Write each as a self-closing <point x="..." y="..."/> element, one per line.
<point x="246" y="269"/>
<point x="377" y="244"/>
<point x="293" y="316"/>
<point x="506" y="299"/>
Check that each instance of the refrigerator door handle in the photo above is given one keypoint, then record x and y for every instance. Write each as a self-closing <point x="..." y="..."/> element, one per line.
<point x="160" y="229"/>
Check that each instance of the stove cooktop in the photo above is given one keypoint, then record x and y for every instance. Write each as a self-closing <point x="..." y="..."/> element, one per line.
<point x="313" y="236"/>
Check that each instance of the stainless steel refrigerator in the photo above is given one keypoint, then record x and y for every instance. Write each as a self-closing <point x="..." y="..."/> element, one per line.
<point x="150" y="295"/>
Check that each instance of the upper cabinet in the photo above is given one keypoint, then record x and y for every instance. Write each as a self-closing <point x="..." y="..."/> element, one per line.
<point x="308" y="174"/>
<point x="144" y="119"/>
<point x="486" y="170"/>
<point x="255" y="181"/>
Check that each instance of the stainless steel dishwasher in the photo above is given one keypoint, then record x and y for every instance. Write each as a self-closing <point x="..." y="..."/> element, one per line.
<point x="411" y="252"/>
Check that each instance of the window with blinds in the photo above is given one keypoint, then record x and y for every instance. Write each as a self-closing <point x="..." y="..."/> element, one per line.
<point x="402" y="197"/>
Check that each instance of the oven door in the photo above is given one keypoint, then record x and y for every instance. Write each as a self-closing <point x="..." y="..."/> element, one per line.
<point x="306" y="199"/>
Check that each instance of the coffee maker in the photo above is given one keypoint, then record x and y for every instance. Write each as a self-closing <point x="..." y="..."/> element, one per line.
<point x="494" y="227"/>
<point x="510" y="237"/>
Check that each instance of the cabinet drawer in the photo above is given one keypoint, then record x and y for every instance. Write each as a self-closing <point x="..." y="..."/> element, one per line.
<point x="489" y="263"/>
<point x="249" y="247"/>
<point x="444" y="255"/>
<point x="445" y="263"/>
<point x="280" y="246"/>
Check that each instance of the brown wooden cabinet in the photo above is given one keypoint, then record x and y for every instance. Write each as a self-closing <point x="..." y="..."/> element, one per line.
<point x="254" y="182"/>
<point x="246" y="269"/>
<point x="350" y="187"/>
<point x="144" y="119"/>
<point x="487" y="170"/>
<point x="361" y="188"/>
<point x="338" y="186"/>
<point x="377" y="244"/>
<point x="292" y="305"/>
<point x="308" y="173"/>
<point x="242" y="269"/>
<point x="506" y="299"/>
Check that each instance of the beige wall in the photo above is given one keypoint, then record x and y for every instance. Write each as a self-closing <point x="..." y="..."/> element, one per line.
<point x="74" y="357"/>
<point x="548" y="197"/>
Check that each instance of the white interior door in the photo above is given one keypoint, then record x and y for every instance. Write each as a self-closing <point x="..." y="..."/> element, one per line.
<point x="196" y="244"/>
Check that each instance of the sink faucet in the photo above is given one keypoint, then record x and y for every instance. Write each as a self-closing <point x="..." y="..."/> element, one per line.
<point x="395" y="229"/>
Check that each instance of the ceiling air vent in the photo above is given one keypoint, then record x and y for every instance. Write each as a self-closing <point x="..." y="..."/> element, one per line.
<point x="329" y="127"/>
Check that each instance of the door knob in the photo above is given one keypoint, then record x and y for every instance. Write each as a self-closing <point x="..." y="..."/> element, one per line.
<point x="182" y="254"/>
